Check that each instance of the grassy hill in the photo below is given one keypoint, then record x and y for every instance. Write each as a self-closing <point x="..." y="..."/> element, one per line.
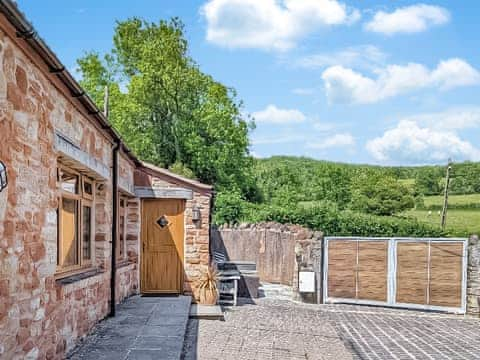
<point x="307" y="182"/>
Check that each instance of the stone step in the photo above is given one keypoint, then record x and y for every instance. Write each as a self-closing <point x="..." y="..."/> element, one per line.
<point x="207" y="312"/>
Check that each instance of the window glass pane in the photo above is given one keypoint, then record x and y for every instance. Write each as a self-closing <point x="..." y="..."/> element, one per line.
<point x="69" y="182"/>
<point x="87" y="188"/>
<point x="87" y="233"/>
<point x="68" y="238"/>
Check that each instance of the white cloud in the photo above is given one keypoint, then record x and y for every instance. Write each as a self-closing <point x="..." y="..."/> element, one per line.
<point x="336" y="140"/>
<point x="409" y="19"/>
<point x="274" y="115"/>
<point x="270" y="24"/>
<point x="363" y="56"/>
<point x="279" y="139"/>
<point x="459" y="118"/>
<point x="345" y="85"/>
<point x="413" y="143"/>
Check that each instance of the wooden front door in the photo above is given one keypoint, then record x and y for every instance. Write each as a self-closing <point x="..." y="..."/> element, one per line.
<point x="162" y="246"/>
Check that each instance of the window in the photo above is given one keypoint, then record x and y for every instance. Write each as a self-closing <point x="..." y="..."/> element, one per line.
<point x="75" y="219"/>
<point x="122" y="228"/>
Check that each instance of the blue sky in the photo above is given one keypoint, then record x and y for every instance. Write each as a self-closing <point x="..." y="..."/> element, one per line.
<point x="384" y="82"/>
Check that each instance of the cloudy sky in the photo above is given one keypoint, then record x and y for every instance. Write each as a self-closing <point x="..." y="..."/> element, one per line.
<point x="385" y="82"/>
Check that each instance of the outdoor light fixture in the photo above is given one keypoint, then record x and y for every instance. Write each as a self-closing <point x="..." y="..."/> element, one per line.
<point x="196" y="215"/>
<point x="3" y="176"/>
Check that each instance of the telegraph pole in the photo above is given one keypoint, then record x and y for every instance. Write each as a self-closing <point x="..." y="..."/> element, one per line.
<point x="445" y="195"/>
<point x="105" y="102"/>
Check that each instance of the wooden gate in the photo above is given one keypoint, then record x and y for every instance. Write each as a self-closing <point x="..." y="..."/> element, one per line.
<point x="414" y="273"/>
<point x="162" y="246"/>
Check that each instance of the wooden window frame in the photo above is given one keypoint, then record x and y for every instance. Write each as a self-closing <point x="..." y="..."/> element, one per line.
<point x="87" y="196"/>
<point x="122" y="256"/>
<point x="83" y="199"/>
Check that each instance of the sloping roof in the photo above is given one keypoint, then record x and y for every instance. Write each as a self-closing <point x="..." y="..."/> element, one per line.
<point x="173" y="176"/>
<point x="26" y="31"/>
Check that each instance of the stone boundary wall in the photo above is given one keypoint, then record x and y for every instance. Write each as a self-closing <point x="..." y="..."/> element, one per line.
<point x="278" y="250"/>
<point x="281" y="251"/>
<point x="473" y="276"/>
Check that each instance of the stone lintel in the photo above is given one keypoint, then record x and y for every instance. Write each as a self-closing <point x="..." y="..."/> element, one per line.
<point x="163" y="193"/>
<point x="80" y="160"/>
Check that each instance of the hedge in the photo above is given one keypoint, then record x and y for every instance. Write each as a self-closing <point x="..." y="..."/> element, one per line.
<point x="327" y="218"/>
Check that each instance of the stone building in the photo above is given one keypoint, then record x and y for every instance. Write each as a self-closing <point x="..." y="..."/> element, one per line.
<point x="78" y="204"/>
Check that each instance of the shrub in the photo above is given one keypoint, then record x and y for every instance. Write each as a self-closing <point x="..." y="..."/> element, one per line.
<point x="329" y="219"/>
<point x="228" y="208"/>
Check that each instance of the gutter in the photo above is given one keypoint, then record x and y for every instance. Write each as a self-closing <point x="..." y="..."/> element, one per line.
<point x="113" y="268"/>
<point x="26" y="31"/>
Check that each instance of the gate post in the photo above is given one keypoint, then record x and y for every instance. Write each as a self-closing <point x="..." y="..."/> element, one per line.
<point x="473" y="276"/>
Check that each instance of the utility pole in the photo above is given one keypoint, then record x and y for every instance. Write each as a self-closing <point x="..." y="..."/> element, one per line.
<point x="105" y="102"/>
<point x="445" y="195"/>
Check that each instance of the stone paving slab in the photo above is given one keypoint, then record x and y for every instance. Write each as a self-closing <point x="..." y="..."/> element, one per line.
<point x="144" y="328"/>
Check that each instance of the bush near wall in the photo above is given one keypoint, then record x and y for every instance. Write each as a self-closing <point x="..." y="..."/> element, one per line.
<point x="325" y="217"/>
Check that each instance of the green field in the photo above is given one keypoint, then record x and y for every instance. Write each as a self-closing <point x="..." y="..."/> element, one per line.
<point x="453" y="199"/>
<point x="459" y="221"/>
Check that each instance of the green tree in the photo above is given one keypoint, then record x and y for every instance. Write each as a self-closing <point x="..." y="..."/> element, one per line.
<point x="167" y="110"/>
<point x="380" y="195"/>
<point x="427" y="181"/>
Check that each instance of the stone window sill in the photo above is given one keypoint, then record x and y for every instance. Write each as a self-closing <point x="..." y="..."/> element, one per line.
<point x="78" y="277"/>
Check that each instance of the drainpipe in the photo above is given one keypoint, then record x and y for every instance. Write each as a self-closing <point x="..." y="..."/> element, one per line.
<point x="113" y="274"/>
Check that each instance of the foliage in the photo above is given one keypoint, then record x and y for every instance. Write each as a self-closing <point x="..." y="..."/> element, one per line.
<point x="180" y="169"/>
<point x="333" y="221"/>
<point x="286" y="180"/>
<point x="324" y="195"/>
<point x="380" y="195"/>
<point x="167" y="110"/>
<point x="229" y="208"/>
<point x="428" y="181"/>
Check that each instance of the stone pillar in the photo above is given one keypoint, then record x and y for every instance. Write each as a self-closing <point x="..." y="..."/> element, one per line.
<point x="473" y="276"/>
<point x="308" y="257"/>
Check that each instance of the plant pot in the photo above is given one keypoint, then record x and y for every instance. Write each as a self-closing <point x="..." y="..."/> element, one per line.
<point x="207" y="296"/>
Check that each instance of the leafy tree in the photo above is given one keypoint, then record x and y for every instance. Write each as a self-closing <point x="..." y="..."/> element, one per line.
<point x="168" y="111"/>
<point x="380" y="195"/>
<point x="428" y="181"/>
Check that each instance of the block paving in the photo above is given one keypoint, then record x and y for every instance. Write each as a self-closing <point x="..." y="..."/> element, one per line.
<point x="279" y="329"/>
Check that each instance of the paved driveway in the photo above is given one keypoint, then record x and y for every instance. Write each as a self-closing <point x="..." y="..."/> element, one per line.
<point x="274" y="329"/>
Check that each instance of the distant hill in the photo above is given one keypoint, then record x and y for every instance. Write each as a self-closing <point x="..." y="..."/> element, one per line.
<point x="307" y="179"/>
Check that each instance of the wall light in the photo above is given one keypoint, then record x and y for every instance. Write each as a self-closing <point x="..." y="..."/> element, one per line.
<point x="3" y="176"/>
<point x="196" y="215"/>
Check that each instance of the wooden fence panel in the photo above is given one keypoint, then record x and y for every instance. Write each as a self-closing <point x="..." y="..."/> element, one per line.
<point x="446" y="274"/>
<point x="372" y="270"/>
<point x="415" y="273"/>
<point x="412" y="273"/>
<point x="342" y="260"/>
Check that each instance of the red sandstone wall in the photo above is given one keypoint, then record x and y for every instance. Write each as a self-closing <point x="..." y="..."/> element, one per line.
<point x="39" y="316"/>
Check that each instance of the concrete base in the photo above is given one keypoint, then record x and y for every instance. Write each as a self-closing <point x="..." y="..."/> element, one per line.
<point x="206" y="312"/>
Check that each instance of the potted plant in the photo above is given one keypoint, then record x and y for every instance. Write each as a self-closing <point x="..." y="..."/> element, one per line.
<point x="207" y="287"/>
